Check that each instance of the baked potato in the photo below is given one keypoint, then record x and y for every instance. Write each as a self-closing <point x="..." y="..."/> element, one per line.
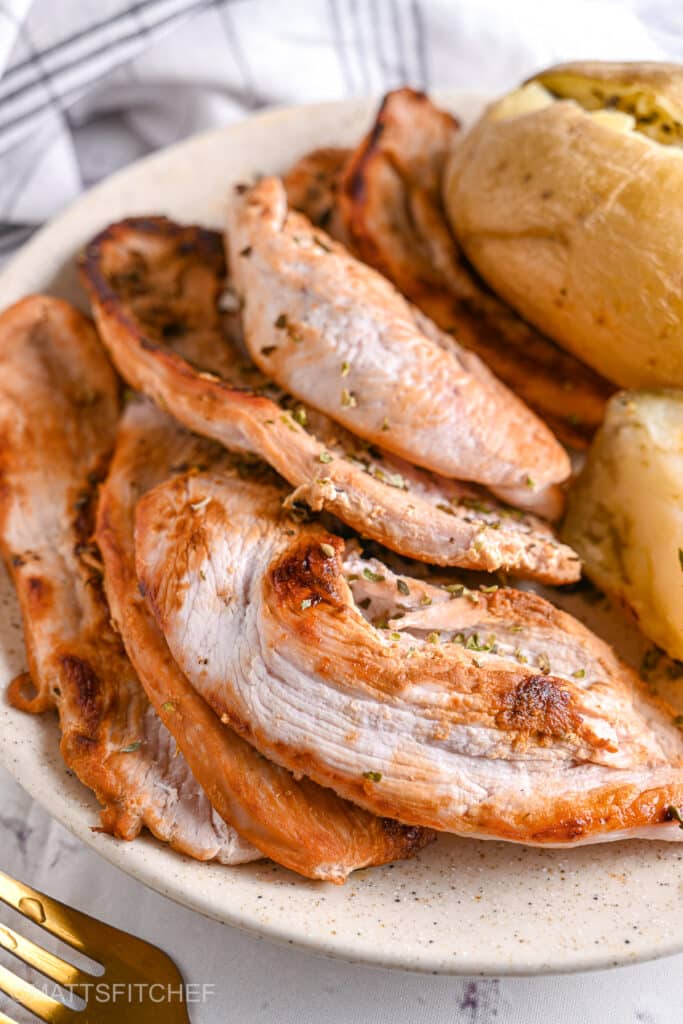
<point x="625" y="511"/>
<point x="567" y="196"/>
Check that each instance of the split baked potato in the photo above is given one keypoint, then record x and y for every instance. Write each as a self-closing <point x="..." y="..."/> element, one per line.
<point x="625" y="512"/>
<point x="567" y="196"/>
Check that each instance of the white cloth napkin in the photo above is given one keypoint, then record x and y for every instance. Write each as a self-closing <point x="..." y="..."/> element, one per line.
<point x="86" y="86"/>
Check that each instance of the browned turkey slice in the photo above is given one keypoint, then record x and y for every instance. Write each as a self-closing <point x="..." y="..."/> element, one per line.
<point x="486" y="713"/>
<point x="294" y="821"/>
<point x="312" y="186"/>
<point x="155" y="288"/>
<point x="58" y="413"/>
<point x="337" y="334"/>
<point x="383" y="200"/>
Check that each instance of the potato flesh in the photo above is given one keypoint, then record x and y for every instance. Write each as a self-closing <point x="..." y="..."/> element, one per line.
<point x="653" y="115"/>
<point x="625" y="512"/>
<point x="533" y="96"/>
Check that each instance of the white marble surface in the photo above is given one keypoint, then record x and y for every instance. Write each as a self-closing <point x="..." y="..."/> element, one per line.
<point x="251" y="981"/>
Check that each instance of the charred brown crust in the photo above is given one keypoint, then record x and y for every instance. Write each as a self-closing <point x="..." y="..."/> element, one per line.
<point x="306" y="576"/>
<point x="539" y="706"/>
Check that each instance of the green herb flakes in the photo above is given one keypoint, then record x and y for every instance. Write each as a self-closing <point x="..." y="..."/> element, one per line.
<point x="324" y="457"/>
<point x="131" y="748"/>
<point x="306" y="603"/>
<point x="373" y="776"/>
<point x="579" y="674"/>
<point x="373" y="577"/>
<point x="402" y="587"/>
<point x="674" y="814"/>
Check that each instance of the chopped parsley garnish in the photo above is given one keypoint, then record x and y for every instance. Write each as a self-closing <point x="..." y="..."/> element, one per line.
<point x="543" y="663"/>
<point x="324" y="457"/>
<point x="489" y="590"/>
<point x="300" y="415"/>
<point x="131" y="748"/>
<point x="168" y="706"/>
<point x="402" y="587"/>
<point x="530" y="483"/>
<point x="345" y="367"/>
<point x="674" y="814"/>
<point x="373" y="776"/>
<point x="373" y="577"/>
<point x="348" y="399"/>
<point x="433" y="638"/>
<point x="580" y="673"/>
<point x="306" y="603"/>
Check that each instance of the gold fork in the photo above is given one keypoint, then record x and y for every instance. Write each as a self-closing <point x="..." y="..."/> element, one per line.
<point x="140" y="984"/>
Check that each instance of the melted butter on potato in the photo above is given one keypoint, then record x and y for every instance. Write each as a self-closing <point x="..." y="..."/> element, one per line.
<point x="528" y="98"/>
<point x="625" y="512"/>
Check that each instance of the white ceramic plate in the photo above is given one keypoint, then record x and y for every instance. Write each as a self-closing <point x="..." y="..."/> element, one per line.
<point x="460" y="907"/>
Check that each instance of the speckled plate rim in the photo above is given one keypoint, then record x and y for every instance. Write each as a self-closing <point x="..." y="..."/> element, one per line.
<point x="462" y="907"/>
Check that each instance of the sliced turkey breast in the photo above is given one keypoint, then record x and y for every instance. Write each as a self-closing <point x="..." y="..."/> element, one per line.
<point x="337" y="334"/>
<point x="313" y="184"/>
<point x="486" y="713"/>
<point x="383" y="201"/>
<point x="58" y="412"/>
<point x="293" y="821"/>
<point x="155" y="287"/>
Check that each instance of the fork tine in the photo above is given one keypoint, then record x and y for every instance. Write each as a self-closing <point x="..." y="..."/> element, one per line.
<point x="52" y="966"/>
<point x="78" y="930"/>
<point x="30" y="998"/>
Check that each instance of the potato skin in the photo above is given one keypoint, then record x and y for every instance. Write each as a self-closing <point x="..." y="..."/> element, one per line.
<point x="579" y="228"/>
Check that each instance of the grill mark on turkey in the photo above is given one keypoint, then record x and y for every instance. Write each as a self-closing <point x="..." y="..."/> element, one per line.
<point x="39" y="592"/>
<point x="305" y="573"/>
<point x="80" y="675"/>
<point x="538" y="705"/>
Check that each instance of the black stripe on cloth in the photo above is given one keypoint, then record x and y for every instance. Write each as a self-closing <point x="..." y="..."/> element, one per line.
<point x="235" y="46"/>
<point x="386" y="68"/>
<point x="360" y="46"/>
<point x="398" y="35"/>
<point x="101" y="47"/>
<point x="340" y="46"/>
<point x="132" y="36"/>
<point x="76" y="37"/>
<point x="422" y="58"/>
